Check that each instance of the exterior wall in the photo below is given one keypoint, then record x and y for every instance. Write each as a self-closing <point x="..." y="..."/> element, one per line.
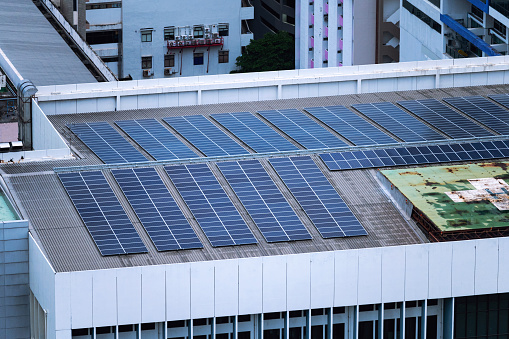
<point x="14" y="291"/>
<point x="364" y="37"/>
<point x="112" y="96"/>
<point x="265" y="21"/>
<point x="277" y="283"/>
<point x="162" y="13"/>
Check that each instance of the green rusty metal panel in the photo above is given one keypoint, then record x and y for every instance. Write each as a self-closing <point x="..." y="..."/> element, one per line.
<point x="425" y="188"/>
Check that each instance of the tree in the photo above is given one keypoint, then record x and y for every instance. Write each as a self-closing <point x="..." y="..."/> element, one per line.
<point x="274" y="52"/>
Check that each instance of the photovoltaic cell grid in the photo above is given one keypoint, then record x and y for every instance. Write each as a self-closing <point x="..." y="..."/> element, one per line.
<point x="484" y="111"/>
<point x="157" y="210"/>
<point x="350" y="125"/>
<point x="502" y="99"/>
<point x="416" y="155"/>
<point x="155" y="139"/>
<point x="263" y="200"/>
<point x="445" y="119"/>
<point x="326" y="209"/>
<point x="205" y="136"/>
<point x="398" y="122"/>
<point x="253" y="132"/>
<point x="302" y="129"/>
<point x="210" y="205"/>
<point x="106" y="143"/>
<point x="102" y="213"/>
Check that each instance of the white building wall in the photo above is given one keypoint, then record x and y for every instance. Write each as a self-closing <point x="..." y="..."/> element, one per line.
<point x="288" y="282"/>
<point x="158" y="14"/>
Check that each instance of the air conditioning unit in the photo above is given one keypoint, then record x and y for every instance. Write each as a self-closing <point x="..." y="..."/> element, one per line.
<point x="172" y="43"/>
<point x="189" y="42"/>
<point x="215" y="35"/>
<point x="147" y="73"/>
<point x="217" y="41"/>
<point x="207" y="29"/>
<point x="208" y="35"/>
<point x="200" y="41"/>
<point x="184" y="37"/>
<point x="181" y="43"/>
<point x="178" y="38"/>
<point x="209" y="41"/>
<point x="169" y="71"/>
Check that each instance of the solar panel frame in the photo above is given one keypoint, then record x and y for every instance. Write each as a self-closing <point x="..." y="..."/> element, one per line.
<point x="317" y="197"/>
<point x="483" y="111"/>
<point x="210" y="205"/>
<point x="350" y="125"/>
<point x="109" y="146"/>
<point x="101" y="212"/>
<point x="155" y="139"/>
<point x="254" y="132"/>
<point x="398" y="122"/>
<point x="155" y="207"/>
<point x="305" y="131"/>
<point x="445" y="119"/>
<point x="264" y="202"/>
<point x="205" y="136"/>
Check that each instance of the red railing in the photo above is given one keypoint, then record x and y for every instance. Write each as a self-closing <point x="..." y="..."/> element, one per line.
<point x="193" y="43"/>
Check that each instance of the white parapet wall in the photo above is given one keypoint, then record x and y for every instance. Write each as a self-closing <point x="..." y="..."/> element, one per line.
<point x="305" y="83"/>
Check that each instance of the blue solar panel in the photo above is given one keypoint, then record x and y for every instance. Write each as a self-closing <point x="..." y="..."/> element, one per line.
<point x="157" y="210"/>
<point x="210" y="205"/>
<point x="205" y="136"/>
<point x="326" y="209"/>
<point x="253" y="132"/>
<point x="445" y="119"/>
<point x="302" y="129"/>
<point x="484" y="111"/>
<point x="100" y="210"/>
<point x="351" y="126"/>
<point x="502" y="99"/>
<point x="106" y="142"/>
<point x="263" y="201"/>
<point x="416" y="155"/>
<point x="156" y="139"/>
<point x="398" y="122"/>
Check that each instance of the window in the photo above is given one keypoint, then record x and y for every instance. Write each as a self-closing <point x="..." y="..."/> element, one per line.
<point x="499" y="27"/>
<point x="289" y="3"/>
<point x="169" y="60"/>
<point x="169" y="33"/>
<point x="422" y="16"/>
<point x="198" y="58"/>
<point x="288" y="19"/>
<point x="223" y="29"/>
<point x="146" y="36"/>
<point x="146" y="62"/>
<point x="198" y="32"/>
<point x="223" y="57"/>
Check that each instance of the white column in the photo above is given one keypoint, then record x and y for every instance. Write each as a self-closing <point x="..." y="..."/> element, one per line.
<point x="348" y="32"/>
<point x="318" y="33"/>
<point x="333" y="33"/>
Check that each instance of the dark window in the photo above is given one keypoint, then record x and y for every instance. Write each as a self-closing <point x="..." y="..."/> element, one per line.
<point x="169" y="60"/>
<point x="174" y="324"/>
<point x="125" y="328"/>
<point x="146" y="62"/>
<point x="243" y="318"/>
<point x="289" y="3"/>
<point x="288" y="19"/>
<point x="295" y="333"/>
<point x="317" y="332"/>
<point x="169" y="33"/>
<point x="223" y="57"/>
<point x="295" y="314"/>
<point x="222" y="320"/>
<point x="148" y="326"/>
<point x="198" y="32"/>
<point x="338" y="310"/>
<point x="410" y="304"/>
<point x="223" y="336"/>
<point x="478" y="13"/>
<point x="431" y="327"/>
<point x="103" y="330"/>
<point x="435" y="2"/>
<point x="244" y="335"/>
<point x="317" y="311"/>
<point x="222" y="29"/>
<point x="146" y="36"/>
<point x="422" y="16"/>
<point x="106" y="37"/>
<point x="269" y="9"/>
<point x="366" y="308"/>
<point x="499" y="27"/>
<point x="272" y="334"/>
<point x="200" y="322"/>
<point x="338" y="331"/>
<point x="269" y="316"/>
<point x="198" y="58"/>
<point x="432" y="302"/>
<point x="79" y="331"/>
<point x="366" y="330"/>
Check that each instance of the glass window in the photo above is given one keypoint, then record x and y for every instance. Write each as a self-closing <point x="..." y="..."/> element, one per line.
<point x="146" y="36"/>
<point x="223" y="57"/>
<point x="169" y="60"/>
<point x="198" y="58"/>
<point x="169" y="33"/>
<point x="198" y="32"/>
<point x="146" y="62"/>
<point x="223" y="29"/>
<point x="499" y="27"/>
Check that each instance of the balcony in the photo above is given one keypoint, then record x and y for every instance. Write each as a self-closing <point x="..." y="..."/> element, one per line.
<point x="501" y="6"/>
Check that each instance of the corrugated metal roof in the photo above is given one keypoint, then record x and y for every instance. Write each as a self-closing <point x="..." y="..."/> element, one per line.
<point x="69" y="246"/>
<point x="34" y="47"/>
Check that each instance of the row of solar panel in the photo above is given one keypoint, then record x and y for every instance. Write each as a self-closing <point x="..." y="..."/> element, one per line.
<point x="221" y="222"/>
<point x="210" y="140"/>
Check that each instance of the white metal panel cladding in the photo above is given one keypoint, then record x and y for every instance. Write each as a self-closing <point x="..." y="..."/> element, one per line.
<point x="63" y="318"/>
<point x="503" y="265"/>
<point x="271" y="284"/>
<point x="129" y="292"/>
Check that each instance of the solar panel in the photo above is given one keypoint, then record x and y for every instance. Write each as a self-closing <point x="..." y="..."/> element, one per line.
<point x="302" y="129"/>
<point x="156" y="139"/>
<point x="210" y="205"/>
<point x="445" y="119"/>
<point x="264" y="202"/>
<point x="326" y="209"/>
<point x="253" y="132"/>
<point x="398" y="122"/>
<point x="502" y="99"/>
<point x="100" y="210"/>
<point x="106" y="142"/>
<point x="157" y="210"/>
<point x="416" y="155"/>
<point x="351" y="126"/>
<point x="205" y="136"/>
<point x="484" y="111"/>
